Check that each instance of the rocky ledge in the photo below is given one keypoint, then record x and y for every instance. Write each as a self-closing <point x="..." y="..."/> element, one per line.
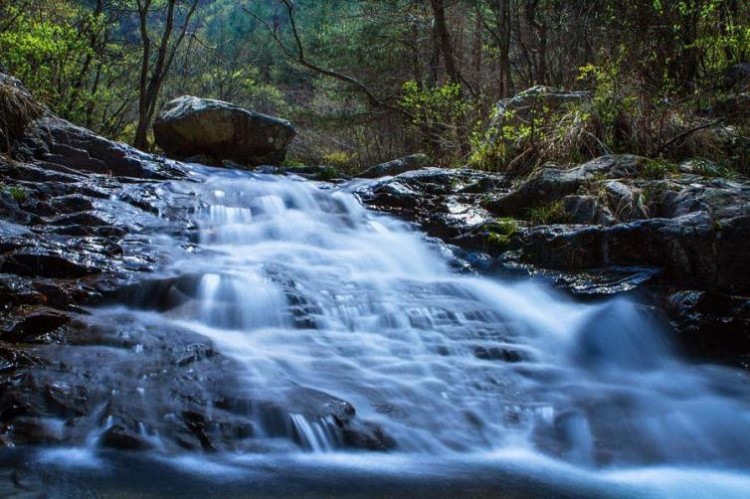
<point x="614" y="224"/>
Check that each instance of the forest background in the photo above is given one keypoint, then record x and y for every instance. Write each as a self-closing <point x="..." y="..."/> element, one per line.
<point x="369" y="81"/>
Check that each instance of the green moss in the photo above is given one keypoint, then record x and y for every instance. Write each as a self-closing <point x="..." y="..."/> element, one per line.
<point x="500" y="232"/>
<point x="18" y="193"/>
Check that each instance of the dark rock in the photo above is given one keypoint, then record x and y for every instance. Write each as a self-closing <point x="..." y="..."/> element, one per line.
<point x="190" y="126"/>
<point x="30" y="430"/>
<point x="72" y="203"/>
<point x="710" y="325"/>
<point x="397" y="166"/>
<point x="121" y="438"/>
<point x="16" y="291"/>
<point x="497" y="353"/>
<point x="38" y="322"/>
<point x="32" y="263"/>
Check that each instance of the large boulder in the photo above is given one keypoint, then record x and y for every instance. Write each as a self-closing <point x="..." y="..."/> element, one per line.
<point x="190" y="126"/>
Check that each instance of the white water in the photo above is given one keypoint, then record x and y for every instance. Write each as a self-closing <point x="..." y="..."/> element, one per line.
<point x="306" y="288"/>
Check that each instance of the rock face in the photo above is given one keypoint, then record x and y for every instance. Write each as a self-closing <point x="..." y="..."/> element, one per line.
<point x="190" y="126"/>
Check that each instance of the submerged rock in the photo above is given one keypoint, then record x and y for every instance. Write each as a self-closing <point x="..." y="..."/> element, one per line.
<point x="190" y="126"/>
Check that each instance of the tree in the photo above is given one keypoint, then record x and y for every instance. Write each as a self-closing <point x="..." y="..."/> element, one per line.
<point x="154" y="70"/>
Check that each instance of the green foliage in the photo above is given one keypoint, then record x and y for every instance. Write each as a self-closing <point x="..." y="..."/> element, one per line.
<point x="487" y="152"/>
<point x="338" y="159"/>
<point x="653" y="169"/>
<point x="84" y="64"/>
<point x="552" y="213"/>
<point x="712" y="169"/>
<point x="440" y="114"/>
<point x="291" y="162"/>
<point x="442" y="104"/>
<point x="327" y="174"/>
<point x="46" y="52"/>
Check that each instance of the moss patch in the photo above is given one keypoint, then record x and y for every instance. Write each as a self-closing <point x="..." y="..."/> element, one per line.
<point x="500" y="232"/>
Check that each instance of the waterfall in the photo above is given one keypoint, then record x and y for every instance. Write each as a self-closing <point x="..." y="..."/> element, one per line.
<point x="307" y="288"/>
<point x="352" y="330"/>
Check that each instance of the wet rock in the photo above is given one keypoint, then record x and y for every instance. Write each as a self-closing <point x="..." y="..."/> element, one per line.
<point x="397" y="166"/>
<point x="31" y="263"/>
<point x="497" y="354"/>
<point x="30" y="430"/>
<point x="16" y="291"/>
<point x="37" y="322"/>
<point x="13" y="360"/>
<point x="121" y="438"/>
<point x="72" y="203"/>
<point x="445" y="202"/>
<point x="190" y="126"/>
<point x="711" y="325"/>
<point x="58" y="142"/>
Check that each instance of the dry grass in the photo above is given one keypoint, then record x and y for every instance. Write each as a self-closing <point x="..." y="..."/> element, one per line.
<point x="17" y="110"/>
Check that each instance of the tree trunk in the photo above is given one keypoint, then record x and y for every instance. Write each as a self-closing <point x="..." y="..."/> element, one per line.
<point x="152" y="78"/>
<point x="506" y="75"/>
<point x="443" y="35"/>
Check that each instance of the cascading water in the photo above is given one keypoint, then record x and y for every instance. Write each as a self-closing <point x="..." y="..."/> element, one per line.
<point x="308" y="290"/>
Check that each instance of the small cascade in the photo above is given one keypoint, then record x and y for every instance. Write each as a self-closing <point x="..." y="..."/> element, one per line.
<point x="321" y="435"/>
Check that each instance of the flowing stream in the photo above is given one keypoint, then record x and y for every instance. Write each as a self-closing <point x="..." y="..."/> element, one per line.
<point x="465" y="376"/>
